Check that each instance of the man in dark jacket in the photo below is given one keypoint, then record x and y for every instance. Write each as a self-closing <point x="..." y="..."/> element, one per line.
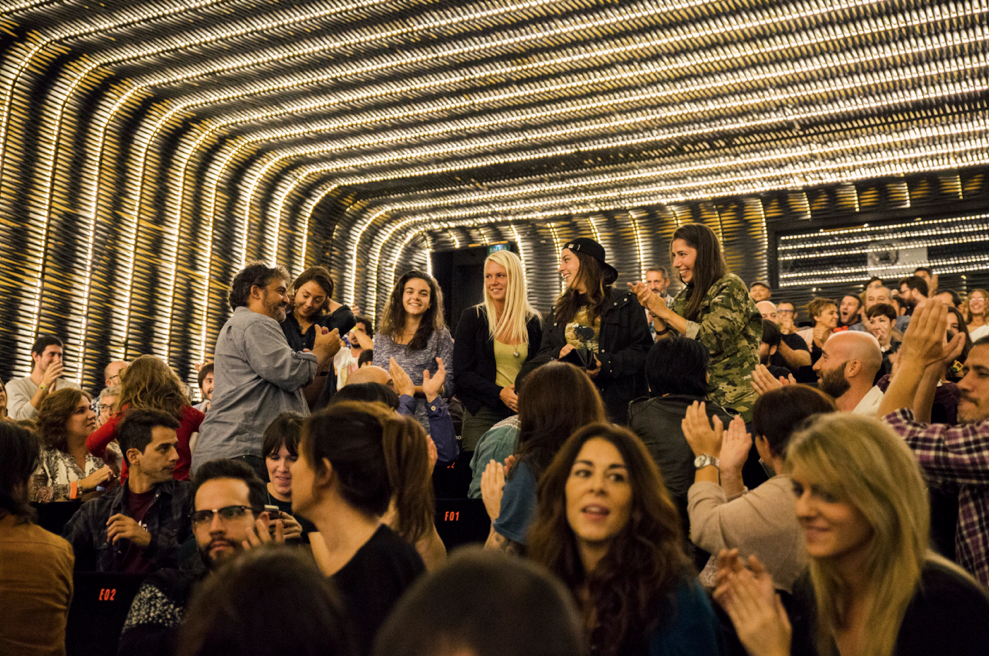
<point x="138" y="528"/>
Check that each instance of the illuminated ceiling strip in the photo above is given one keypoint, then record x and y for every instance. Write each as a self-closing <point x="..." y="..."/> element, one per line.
<point x="880" y="162"/>
<point x="815" y="240"/>
<point x="979" y="262"/>
<point x="727" y="164"/>
<point x="770" y="46"/>
<point x="337" y="45"/>
<point x="977" y="265"/>
<point x="905" y="241"/>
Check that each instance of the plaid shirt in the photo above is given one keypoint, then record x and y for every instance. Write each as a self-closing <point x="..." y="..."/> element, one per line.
<point x="167" y="520"/>
<point x="956" y="455"/>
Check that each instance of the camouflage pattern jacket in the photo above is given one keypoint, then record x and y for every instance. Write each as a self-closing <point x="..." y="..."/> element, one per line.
<point x="730" y="326"/>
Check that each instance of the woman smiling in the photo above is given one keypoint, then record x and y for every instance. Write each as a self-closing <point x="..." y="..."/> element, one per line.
<point x="715" y="308"/>
<point x="494" y="339"/>
<point x="414" y="333"/>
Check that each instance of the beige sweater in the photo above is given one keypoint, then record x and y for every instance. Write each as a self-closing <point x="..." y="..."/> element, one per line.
<point x="761" y="522"/>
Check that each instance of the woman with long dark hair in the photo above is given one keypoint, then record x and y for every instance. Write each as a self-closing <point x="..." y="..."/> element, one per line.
<point x="875" y="587"/>
<point x="558" y="400"/>
<point x="149" y="383"/>
<point x="494" y="340"/>
<point x="714" y="307"/>
<point x="598" y="327"/>
<point x="345" y="486"/>
<point x="414" y="333"/>
<point x="313" y="308"/>
<point x="607" y="528"/>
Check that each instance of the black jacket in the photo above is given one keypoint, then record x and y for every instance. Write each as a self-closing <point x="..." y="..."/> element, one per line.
<point x="474" y="366"/>
<point x="623" y="344"/>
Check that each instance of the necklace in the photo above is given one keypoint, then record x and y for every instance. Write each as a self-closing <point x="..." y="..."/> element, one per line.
<point x="516" y="353"/>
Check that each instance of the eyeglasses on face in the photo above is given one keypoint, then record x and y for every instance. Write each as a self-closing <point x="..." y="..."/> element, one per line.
<point x="227" y="514"/>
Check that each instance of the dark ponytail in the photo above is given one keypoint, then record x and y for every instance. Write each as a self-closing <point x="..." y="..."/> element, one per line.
<point x="376" y="455"/>
<point x="407" y="461"/>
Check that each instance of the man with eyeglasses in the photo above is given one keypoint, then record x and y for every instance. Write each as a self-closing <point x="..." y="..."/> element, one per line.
<point x="228" y="517"/>
<point x="105" y="404"/>
<point x="138" y="528"/>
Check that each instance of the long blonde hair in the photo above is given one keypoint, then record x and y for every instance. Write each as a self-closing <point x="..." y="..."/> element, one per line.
<point x="862" y="462"/>
<point x="511" y="327"/>
<point x="150" y="384"/>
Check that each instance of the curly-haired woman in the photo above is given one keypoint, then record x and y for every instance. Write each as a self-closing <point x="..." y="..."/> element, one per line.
<point x="607" y="528"/>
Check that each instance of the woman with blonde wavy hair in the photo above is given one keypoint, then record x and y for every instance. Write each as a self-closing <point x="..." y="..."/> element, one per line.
<point x="874" y="587"/>
<point x="149" y="383"/>
<point x="494" y="339"/>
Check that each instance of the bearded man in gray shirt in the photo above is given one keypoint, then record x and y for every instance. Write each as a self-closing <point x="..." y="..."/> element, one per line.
<point x="257" y="376"/>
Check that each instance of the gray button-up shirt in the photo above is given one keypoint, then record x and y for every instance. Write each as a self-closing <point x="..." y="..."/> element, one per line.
<point x="257" y="376"/>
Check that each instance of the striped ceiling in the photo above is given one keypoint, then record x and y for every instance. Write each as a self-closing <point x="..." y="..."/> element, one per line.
<point x="149" y="148"/>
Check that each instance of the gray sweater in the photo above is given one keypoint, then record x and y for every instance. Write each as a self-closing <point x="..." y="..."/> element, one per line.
<point x="257" y="376"/>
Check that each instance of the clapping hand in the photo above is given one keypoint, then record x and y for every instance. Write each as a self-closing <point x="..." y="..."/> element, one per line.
<point x="764" y="382"/>
<point x="492" y="488"/>
<point x="704" y="437"/>
<point x="735" y="446"/>
<point x="432" y="384"/>
<point x="403" y="384"/>
<point x="749" y="597"/>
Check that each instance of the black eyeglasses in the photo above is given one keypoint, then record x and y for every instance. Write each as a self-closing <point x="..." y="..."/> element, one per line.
<point x="201" y="517"/>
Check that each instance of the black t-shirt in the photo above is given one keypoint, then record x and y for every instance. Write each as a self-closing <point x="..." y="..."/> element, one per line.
<point x="374" y="579"/>
<point x="286" y="507"/>
<point x="948" y="616"/>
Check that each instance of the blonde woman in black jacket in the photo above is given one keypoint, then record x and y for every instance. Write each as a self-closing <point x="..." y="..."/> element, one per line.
<point x="494" y="339"/>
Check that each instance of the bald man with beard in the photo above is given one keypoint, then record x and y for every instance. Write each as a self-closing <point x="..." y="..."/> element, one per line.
<point x="847" y="370"/>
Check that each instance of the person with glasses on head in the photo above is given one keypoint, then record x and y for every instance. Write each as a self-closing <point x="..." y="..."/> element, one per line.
<point x="228" y="516"/>
<point x="136" y="529"/>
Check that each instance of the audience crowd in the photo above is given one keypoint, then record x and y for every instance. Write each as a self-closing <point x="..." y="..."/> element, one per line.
<point x="661" y="469"/>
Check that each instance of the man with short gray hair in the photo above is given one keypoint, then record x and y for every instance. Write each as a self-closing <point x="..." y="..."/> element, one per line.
<point x="257" y="375"/>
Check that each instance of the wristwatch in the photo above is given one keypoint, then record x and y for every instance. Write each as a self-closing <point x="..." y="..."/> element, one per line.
<point x="706" y="460"/>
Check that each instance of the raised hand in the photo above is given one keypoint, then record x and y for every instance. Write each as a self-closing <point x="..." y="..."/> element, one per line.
<point x="735" y="446"/>
<point x="749" y="598"/>
<point x="704" y="437"/>
<point x="327" y="343"/>
<point x="492" y="488"/>
<point x="432" y="384"/>
<point x="403" y="384"/>
<point x="763" y="381"/>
